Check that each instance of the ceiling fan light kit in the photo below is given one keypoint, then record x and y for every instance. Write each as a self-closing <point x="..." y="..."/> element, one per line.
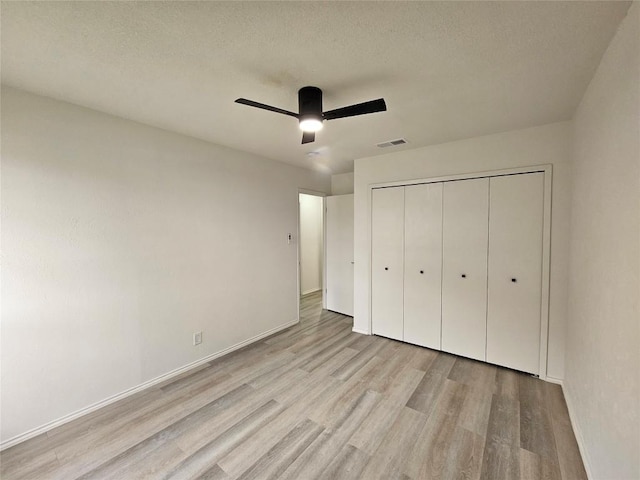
<point x="310" y="124"/>
<point x="310" y="115"/>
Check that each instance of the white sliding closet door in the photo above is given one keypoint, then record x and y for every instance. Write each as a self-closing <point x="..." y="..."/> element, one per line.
<point x="423" y="264"/>
<point x="387" y="261"/>
<point x="464" y="269"/>
<point x="339" y="250"/>
<point x="515" y="271"/>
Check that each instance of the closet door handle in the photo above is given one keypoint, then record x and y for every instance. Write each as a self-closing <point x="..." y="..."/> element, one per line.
<point x="464" y="275"/>
<point x="386" y="268"/>
<point x="421" y="272"/>
<point x="514" y="280"/>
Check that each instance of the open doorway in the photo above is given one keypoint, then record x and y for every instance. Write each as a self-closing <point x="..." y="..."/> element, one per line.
<point x="311" y="253"/>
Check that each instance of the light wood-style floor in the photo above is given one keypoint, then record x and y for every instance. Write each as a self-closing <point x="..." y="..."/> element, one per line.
<point x="318" y="401"/>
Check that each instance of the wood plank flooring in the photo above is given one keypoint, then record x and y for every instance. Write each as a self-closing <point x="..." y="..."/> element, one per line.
<point x="318" y="401"/>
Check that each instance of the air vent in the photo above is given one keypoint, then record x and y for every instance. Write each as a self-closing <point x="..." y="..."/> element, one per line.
<point x="392" y="143"/>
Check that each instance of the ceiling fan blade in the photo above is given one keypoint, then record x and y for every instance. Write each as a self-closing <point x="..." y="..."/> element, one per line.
<point x="308" y="137"/>
<point x="251" y="103"/>
<point x="371" y="106"/>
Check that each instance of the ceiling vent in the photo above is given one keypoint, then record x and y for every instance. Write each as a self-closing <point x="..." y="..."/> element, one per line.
<point x="392" y="143"/>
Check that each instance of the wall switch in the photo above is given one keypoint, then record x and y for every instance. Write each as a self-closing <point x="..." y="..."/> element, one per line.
<point x="197" y="338"/>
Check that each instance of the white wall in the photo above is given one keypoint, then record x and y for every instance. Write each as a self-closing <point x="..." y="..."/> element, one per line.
<point x="548" y="144"/>
<point x="602" y="382"/>
<point x="342" y="183"/>
<point x="119" y="241"/>
<point x="311" y="243"/>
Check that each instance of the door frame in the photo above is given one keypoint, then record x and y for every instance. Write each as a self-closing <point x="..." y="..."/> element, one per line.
<point x="547" y="169"/>
<point x="322" y="195"/>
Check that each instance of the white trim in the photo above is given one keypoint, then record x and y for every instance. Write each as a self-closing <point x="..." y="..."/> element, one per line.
<point x="547" y="169"/>
<point x="322" y="195"/>
<point x="557" y="381"/>
<point x="369" y="330"/>
<point x="578" y="434"/>
<point x="546" y="273"/>
<point x="297" y="240"/>
<point x="324" y="252"/>
<point x="315" y="193"/>
<point x="464" y="176"/>
<point x="114" y="398"/>
<point x="362" y="332"/>
<point x="313" y="290"/>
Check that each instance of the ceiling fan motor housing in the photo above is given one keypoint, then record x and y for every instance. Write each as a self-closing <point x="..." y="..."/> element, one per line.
<point x="310" y="103"/>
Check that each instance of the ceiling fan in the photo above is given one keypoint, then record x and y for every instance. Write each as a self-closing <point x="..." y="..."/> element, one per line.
<point x="310" y="114"/>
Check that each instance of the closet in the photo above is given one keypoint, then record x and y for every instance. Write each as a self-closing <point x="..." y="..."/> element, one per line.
<point x="407" y="254"/>
<point x="457" y="266"/>
<point x="387" y="285"/>
<point x="464" y="267"/>
<point x="515" y="271"/>
<point x="423" y="260"/>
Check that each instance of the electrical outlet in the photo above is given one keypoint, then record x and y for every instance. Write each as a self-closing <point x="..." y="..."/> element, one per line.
<point x="197" y="338"/>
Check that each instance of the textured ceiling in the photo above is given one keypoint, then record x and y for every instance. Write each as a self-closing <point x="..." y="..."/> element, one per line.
<point x="448" y="70"/>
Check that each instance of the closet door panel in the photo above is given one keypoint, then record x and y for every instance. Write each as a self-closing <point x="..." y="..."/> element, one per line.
<point x="515" y="271"/>
<point x="423" y="264"/>
<point x="387" y="261"/>
<point x="464" y="269"/>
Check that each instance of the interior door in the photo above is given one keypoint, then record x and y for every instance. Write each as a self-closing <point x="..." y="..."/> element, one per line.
<point x="387" y="261"/>
<point x="515" y="271"/>
<point x="464" y="267"/>
<point x="423" y="264"/>
<point x="339" y="221"/>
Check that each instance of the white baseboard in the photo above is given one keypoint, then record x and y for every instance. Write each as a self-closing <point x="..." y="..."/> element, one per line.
<point x="574" y="425"/>
<point x="114" y="398"/>
<point x="577" y="433"/>
<point x="313" y="290"/>
<point x="363" y="332"/>
<point x="557" y="381"/>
